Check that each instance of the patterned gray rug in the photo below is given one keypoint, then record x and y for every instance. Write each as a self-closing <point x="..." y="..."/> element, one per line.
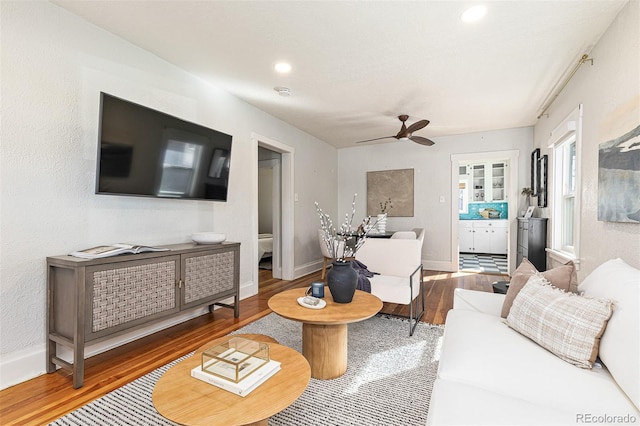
<point x="388" y="381"/>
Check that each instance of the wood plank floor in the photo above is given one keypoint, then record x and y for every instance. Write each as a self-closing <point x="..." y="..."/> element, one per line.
<point x="45" y="398"/>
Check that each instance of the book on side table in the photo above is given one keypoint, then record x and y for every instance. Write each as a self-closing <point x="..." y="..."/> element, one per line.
<point x="243" y="387"/>
<point x="114" y="250"/>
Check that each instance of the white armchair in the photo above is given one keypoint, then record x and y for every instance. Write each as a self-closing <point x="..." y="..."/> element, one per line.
<point x="399" y="263"/>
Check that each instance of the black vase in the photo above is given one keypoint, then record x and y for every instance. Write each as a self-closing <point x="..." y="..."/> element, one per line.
<point x="342" y="280"/>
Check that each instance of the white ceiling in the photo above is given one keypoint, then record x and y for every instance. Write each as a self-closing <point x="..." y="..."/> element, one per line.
<point x="359" y="64"/>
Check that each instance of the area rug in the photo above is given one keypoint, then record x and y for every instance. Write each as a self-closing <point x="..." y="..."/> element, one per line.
<point x="388" y="381"/>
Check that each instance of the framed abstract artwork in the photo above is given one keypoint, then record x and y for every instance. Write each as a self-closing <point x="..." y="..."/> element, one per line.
<point x="541" y="176"/>
<point x="619" y="178"/>
<point x="392" y="191"/>
<point x="535" y="156"/>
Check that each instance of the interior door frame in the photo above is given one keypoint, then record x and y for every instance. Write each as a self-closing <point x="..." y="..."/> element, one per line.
<point x="512" y="157"/>
<point x="283" y="242"/>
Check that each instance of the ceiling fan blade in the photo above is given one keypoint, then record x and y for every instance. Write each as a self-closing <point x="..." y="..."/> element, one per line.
<point x="417" y="126"/>
<point x="376" y="139"/>
<point x="421" y="140"/>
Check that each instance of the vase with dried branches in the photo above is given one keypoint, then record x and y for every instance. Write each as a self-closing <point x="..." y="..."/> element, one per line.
<point x="382" y="217"/>
<point x="343" y="243"/>
<point x="527" y="192"/>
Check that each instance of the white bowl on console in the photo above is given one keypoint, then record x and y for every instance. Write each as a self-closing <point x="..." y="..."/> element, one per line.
<point x="208" y="237"/>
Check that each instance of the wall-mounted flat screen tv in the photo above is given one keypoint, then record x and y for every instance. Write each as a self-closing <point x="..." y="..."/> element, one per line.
<point x="144" y="152"/>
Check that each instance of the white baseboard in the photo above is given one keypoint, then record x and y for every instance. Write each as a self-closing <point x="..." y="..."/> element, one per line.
<point x="434" y="265"/>
<point x="20" y="366"/>
<point x="307" y="268"/>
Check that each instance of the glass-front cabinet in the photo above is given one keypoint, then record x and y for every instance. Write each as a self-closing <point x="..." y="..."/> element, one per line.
<point x="487" y="182"/>
<point x="478" y="176"/>
<point x="498" y="192"/>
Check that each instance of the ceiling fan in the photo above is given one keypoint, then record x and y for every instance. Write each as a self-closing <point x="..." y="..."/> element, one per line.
<point x="406" y="133"/>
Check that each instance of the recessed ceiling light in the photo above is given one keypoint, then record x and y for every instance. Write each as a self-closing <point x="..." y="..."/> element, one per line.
<point x="283" y="67"/>
<point x="474" y="13"/>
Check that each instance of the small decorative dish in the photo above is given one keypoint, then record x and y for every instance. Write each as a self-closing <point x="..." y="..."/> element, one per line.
<point x="208" y="238"/>
<point x="321" y="304"/>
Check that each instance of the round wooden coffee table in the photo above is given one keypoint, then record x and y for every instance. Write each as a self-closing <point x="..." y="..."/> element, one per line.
<point x="324" y="331"/>
<point x="179" y="397"/>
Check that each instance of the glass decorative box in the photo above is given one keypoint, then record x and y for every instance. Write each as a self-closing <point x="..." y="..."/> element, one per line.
<point x="235" y="359"/>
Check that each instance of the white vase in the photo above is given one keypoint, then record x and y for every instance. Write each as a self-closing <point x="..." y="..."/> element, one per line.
<point x="382" y="223"/>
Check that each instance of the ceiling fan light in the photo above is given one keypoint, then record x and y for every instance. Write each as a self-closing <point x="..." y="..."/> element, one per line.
<point x="474" y="13"/>
<point x="403" y="138"/>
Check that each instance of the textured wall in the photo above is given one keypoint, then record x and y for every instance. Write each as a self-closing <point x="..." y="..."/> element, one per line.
<point x="609" y="91"/>
<point x="53" y="67"/>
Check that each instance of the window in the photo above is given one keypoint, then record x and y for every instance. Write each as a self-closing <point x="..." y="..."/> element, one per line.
<point x="463" y="189"/>
<point x="463" y="197"/>
<point x="565" y="209"/>
<point x="565" y="155"/>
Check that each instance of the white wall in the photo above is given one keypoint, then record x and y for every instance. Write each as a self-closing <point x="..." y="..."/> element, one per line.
<point x="54" y="66"/>
<point x="609" y="91"/>
<point x="432" y="179"/>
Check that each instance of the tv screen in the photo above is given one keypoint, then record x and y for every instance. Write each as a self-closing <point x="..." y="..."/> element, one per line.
<point x="144" y="152"/>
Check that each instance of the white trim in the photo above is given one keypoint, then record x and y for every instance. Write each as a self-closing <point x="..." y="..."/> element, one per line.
<point x="308" y="268"/>
<point x="436" y="265"/>
<point x="562" y="257"/>
<point x="561" y="132"/>
<point x="287" y="208"/>
<point x="512" y="157"/>
<point x="572" y="124"/>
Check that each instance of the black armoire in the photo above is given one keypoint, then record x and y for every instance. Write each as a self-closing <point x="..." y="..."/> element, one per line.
<point x="532" y="241"/>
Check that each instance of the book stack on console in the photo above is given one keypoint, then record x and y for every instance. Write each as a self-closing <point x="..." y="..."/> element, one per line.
<point x="237" y="365"/>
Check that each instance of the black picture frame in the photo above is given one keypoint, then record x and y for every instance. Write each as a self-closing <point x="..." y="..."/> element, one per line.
<point x="543" y="167"/>
<point x="535" y="157"/>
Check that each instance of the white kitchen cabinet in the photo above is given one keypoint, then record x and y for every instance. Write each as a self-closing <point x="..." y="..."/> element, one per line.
<point x="488" y="181"/>
<point x="483" y="236"/>
<point x="499" y="239"/>
<point x="465" y="236"/>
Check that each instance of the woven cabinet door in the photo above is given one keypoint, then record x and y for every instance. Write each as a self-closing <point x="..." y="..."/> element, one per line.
<point x="209" y="277"/>
<point x="126" y="294"/>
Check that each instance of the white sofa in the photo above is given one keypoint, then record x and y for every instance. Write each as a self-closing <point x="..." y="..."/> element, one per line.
<point x="398" y="261"/>
<point x="490" y="374"/>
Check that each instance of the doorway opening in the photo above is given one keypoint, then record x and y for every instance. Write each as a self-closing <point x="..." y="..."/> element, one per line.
<point x="273" y="208"/>
<point x="269" y="217"/>
<point x="484" y="208"/>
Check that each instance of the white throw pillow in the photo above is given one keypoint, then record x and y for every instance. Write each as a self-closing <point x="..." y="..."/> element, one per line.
<point x="620" y="343"/>
<point x="566" y="324"/>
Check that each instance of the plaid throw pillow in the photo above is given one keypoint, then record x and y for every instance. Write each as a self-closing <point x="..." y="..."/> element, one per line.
<point x="566" y="324"/>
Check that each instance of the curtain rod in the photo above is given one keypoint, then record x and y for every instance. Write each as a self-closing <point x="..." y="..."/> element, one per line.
<point x="582" y="60"/>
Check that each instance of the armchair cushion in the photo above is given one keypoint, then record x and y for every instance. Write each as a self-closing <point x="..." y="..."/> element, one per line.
<point x="395" y="289"/>
<point x="397" y="257"/>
